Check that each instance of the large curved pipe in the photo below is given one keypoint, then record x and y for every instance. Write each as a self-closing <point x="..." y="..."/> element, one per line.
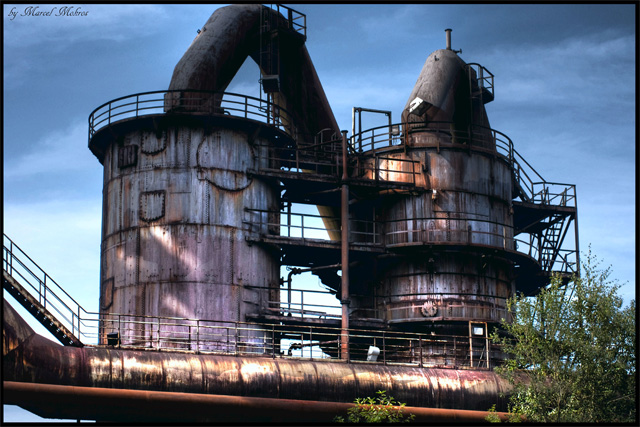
<point x="232" y="34"/>
<point x="38" y="360"/>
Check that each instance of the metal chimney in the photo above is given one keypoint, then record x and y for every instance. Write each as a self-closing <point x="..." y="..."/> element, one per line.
<point x="448" y="31"/>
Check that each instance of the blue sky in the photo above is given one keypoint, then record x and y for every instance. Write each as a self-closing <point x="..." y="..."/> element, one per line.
<point x="565" y="93"/>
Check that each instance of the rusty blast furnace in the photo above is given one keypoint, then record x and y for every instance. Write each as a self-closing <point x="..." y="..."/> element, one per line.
<point x="204" y="203"/>
<point x="424" y="228"/>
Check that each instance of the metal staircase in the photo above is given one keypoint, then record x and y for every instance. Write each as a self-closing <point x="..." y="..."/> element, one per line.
<point x="543" y="210"/>
<point x="40" y="295"/>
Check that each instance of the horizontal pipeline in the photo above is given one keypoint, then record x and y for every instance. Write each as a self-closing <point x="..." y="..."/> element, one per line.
<point x="31" y="358"/>
<point x="105" y="404"/>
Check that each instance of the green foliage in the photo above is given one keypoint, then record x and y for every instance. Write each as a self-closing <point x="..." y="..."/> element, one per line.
<point x="573" y="351"/>
<point x="492" y="417"/>
<point x="381" y="409"/>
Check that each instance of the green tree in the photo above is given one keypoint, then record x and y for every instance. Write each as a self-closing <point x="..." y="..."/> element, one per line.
<point x="573" y="351"/>
<point x="381" y="409"/>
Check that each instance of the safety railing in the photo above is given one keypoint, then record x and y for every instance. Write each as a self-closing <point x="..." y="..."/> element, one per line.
<point x="303" y="303"/>
<point x="381" y="137"/>
<point x="535" y="189"/>
<point x="306" y="226"/>
<point x="312" y="342"/>
<point x="245" y="338"/>
<point x="565" y="262"/>
<point x="411" y="231"/>
<point x="42" y="287"/>
<point x="190" y="102"/>
<point x="385" y="169"/>
<point x="323" y="158"/>
<point x="405" y="232"/>
<point x="554" y="194"/>
<point x="528" y="244"/>
<point x="448" y="229"/>
<point x="483" y="76"/>
<point x="295" y="20"/>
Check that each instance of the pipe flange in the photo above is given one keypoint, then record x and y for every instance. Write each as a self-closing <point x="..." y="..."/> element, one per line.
<point x="429" y="309"/>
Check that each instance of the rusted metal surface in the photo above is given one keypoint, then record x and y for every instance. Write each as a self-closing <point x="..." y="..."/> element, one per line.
<point x="465" y="203"/>
<point x="174" y="196"/>
<point x="173" y="239"/>
<point x="231" y="35"/>
<point x="104" y="404"/>
<point x="344" y="250"/>
<point x="447" y="87"/>
<point x="14" y="329"/>
<point x="37" y="360"/>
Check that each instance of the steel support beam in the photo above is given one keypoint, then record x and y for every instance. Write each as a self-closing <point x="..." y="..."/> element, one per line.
<point x="344" y="221"/>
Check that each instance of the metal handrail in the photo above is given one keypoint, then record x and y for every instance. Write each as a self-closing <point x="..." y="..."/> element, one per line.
<point x="259" y="222"/>
<point x="223" y="336"/>
<point x="255" y="338"/>
<point x="265" y="222"/>
<point x="46" y="290"/>
<point x="392" y="136"/>
<point x="384" y="174"/>
<point x="292" y="17"/>
<point x="484" y="81"/>
<point x="471" y="228"/>
<point x="325" y="157"/>
<point x="190" y="102"/>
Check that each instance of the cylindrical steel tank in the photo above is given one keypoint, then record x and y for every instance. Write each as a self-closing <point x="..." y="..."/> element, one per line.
<point x="454" y="235"/>
<point x="173" y="241"/>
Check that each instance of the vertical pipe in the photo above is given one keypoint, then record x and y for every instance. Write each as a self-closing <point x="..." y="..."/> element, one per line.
<point x="487" y="344"/>
<point x="344" y="221"/>
<point x="384" y="349"/>
<point x="455" y="352"/>
<point x="353" y="126"/>
<point x="290" y="279"/>
<point x="289" y="219"/>
<point x="575" y="224"/>
<point x="470" y="347"/>
<point x="360" y="129"/>
<point x="448" y="31"/>
<point x="236" y="338"/>
<point x="273" y="341"/>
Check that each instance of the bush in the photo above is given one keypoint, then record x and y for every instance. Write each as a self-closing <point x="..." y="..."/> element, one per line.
<point x="572" y="350"/>
<point x="381" y="409"/>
